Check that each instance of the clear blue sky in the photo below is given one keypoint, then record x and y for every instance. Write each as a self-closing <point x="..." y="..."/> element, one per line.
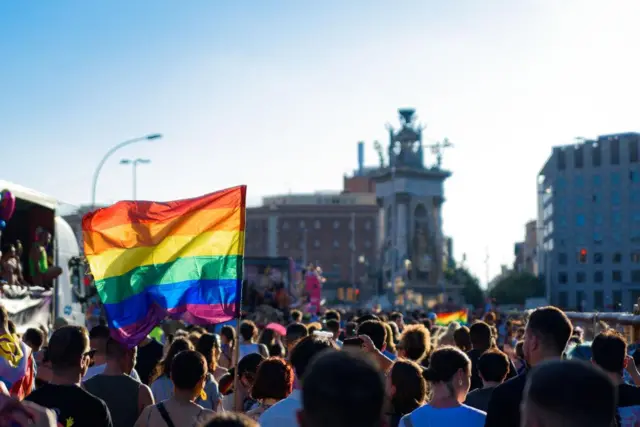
<point x="275" y="94"/>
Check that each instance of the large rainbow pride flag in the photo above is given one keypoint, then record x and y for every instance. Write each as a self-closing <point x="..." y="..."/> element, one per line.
<point x="180" y="259"/>
<point x="459" y="316"/>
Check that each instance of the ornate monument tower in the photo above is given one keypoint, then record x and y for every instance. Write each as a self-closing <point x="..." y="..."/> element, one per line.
<point x="410" y="196"/>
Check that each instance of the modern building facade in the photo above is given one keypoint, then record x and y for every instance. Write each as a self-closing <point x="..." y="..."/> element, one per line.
<point x="525" y="252"/>
<point x="589" y="223"/>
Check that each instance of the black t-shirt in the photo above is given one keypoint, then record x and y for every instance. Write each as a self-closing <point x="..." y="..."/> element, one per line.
<point x="628" y="405"/>
<point x="73" y="406"/>
<point x="148" y="357"/>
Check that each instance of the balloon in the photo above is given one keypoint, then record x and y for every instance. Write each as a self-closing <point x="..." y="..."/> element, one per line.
<point x="2" y="224"/>
<point x="7" y="205"/>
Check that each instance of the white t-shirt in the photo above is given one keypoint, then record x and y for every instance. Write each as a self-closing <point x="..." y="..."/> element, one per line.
<point x="460" y="416"/>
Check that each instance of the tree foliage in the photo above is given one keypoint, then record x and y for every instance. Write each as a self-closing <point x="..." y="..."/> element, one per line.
<point x="515" y="288"/>
<point x="471" y="291"/>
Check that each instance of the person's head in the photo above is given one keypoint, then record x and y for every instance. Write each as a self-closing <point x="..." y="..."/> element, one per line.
<point x="296" y="316"/>
<point x="34" y="338"/>
<point x="120" y="356"/>
<point x="333" y="326"/>
<point x="227" y="335"/>
<point x="361" y="395"/>
<point x="462" y="338"/>
<point x="609" y="351"/>
<point x="229" y="419"/>
<point x="164" y="366"/>
<point x="490" y="318"/>
<point x="366" y="317"/>
<point x="546" y="335"/>
<point x="480" y="336"/>
<point x="406" y="386"/>
<point x="194" y="337"/>
<point x="375" y="330"/>
<point x="69" y="352"/>
<point x="449" y="372"/>
<point x="350" y="329"/>
<point x="415" y="343"/>
<point x="313" y="327"/>
<point x="209" y="347"/>
<point x="305" y="350"/>
<point x="248" y="330"/>
<point x="395" y="331"/>
<point x="8" y="251"/>
<point x="248" y="367"/>
<point x="274" y="380"/>
<point x="98" y="338"/>
<point x="295" y="332"/>
<point x="43" y="236"/>
<point x="398" y="319"/>
<point x="389" y="342"/>
<point x="568" y="394"/>
<point x="493" y="367"/>
<point x="19" y="248"/>
<point x="332" y="315"/>
<point x="189" y="373"/>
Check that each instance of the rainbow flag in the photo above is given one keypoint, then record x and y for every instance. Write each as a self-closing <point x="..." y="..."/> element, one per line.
<point x="16" y="366"/>
<point x="180" y="259"/>
<point x="459" y="316"/>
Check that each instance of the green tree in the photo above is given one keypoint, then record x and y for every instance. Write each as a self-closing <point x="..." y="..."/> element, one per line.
<point x="471" y="290"/>
<point x="515" y="288"/>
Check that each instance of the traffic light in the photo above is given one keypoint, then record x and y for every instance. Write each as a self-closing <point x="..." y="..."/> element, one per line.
<point x="582" y="256"/>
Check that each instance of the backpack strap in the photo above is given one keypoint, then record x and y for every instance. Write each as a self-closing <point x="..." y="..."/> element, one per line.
<point x="165" y="415"/>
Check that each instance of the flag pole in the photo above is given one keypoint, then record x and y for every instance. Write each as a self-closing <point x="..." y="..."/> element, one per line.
<point x="236" y="350"/>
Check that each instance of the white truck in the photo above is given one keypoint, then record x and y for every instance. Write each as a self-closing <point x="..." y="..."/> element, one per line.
<point x="34" y="307"/>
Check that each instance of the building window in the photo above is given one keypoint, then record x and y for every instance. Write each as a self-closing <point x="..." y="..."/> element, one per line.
<point x="597" y="237"/>
<point x="367" y="225"/>
<point x="367" y="244"/>
<point x="598" y="277"/>
<point x="336" y="225"/>
<point x="598" y="300"/>
<point x="316" y="243"/>
<point x="596" y="155"/>
<point x="562" y="161"/>
<point x="617" y="258"/>
<point x="633" y="150"/>
<point x="285" y="225"/>
<point x="616" y="276"/>
<point x="635" y="257"/>
<point x="597" y="180"/>
<point x="302" y="225"/>
<point x="336" y="244"/>
<point x="579" y="182"/>
<point x="617" y="300"/>
<point x="578" y="157"/>
<point x="597" y="258"/>
<point x="635" y="276"/>
<point x="634" y="176"/>
<point x="316" y="224"/>
<point x="562" y="258"/>
<point x="615" y="152"/>
<point x="562" y="278"/>
<point x="581" y="277"/>
<point x="580" y="220"/>
<point x="580" y="299"/>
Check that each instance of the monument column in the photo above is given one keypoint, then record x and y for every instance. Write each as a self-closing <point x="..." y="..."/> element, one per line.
<point x="402" y="235"/>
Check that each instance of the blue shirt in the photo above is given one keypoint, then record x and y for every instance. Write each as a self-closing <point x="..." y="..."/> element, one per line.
<point x="460" y="416"/>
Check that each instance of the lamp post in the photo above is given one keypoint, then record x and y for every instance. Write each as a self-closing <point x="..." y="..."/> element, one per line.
<point x="96" y="174"/>
<point x="134" y="165"/>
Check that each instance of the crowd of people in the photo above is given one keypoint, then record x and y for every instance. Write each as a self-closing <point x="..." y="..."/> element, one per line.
<point x="339" y="370"/>
<point x="41" y="271"/>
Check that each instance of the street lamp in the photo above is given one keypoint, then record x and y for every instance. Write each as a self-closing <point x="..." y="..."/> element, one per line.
<point x="134" y="165"/>
<point x="96" y="174"/>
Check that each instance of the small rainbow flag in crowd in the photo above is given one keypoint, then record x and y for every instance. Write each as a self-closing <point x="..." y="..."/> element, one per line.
<point x="459" y="316"/>
<point x="180" y="259"/>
